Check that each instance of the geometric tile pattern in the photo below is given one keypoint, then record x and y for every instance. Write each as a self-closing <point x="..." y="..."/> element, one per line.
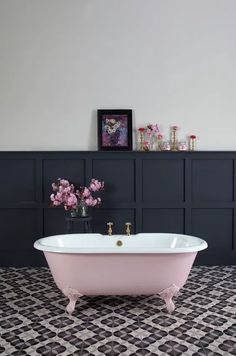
<point x="33" y="320"/>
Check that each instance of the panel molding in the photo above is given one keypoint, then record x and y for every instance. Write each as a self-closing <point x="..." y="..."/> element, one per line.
<point x="134" y="178"/>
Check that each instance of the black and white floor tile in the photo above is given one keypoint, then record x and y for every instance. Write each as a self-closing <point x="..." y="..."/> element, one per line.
<point x="33" y="320"/>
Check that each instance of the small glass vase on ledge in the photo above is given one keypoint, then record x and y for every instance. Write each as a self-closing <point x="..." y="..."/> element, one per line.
<point x="192" y="142"/>
<point x="152" y="136"/>
<point x="78" y="201"/>
<point x="141" y="131"/>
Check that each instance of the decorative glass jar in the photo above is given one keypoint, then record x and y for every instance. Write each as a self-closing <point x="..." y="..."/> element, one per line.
<point x="165" y="146"/>
<point x="182" y="146"/>
<point x="192" y="143"/>
<point x="141" y="132"/>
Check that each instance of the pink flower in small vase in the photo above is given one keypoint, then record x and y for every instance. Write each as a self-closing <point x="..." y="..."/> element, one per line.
<point x="146" y="146"/>
<point x="152" y="129"/>
<point x="192" y="142"/>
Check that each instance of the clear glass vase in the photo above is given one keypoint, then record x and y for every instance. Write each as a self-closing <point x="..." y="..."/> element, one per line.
<point x="81" y="211"/>
<point x="153" y="143"/>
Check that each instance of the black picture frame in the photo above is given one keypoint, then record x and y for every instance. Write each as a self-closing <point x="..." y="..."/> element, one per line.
<point x="114" y="130"/>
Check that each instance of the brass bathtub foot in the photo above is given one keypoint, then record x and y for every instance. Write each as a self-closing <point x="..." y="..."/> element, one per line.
<point x="167" y="295"/>
<point x="73" y="296"/>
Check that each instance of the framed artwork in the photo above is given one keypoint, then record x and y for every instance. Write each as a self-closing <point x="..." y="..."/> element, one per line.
<point x="114" y="130"/>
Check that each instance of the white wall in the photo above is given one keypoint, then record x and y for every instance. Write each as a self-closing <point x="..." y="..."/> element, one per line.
<point x="172" y="62"/>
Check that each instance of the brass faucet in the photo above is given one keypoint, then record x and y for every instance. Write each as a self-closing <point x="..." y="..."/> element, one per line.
<point x="128" y="225"/>
<point x="109" y="231"/>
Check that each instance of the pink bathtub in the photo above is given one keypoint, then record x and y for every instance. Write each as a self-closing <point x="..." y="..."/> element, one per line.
<point x="94" y="264"/>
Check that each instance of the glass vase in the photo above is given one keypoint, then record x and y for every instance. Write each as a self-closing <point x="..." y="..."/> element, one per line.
<point x="81" y="211"/>
<point x="153" y="143"/>
<point x="173" y="138"/>
<point x="192" y="144"/>
<point x="141" y="140"/>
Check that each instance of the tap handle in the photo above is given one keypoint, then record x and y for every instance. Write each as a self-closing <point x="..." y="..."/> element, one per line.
<point x="109" y="231"/>
<point x="128" y="225"/>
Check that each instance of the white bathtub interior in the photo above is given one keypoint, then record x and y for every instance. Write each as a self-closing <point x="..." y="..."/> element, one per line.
<point x="140" y="243"/>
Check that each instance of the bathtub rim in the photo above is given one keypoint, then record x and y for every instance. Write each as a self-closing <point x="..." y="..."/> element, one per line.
<point x="202" y="245"/>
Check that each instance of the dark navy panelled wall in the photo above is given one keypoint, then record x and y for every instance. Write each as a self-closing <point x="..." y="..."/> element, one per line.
<point x="182" y="192"/>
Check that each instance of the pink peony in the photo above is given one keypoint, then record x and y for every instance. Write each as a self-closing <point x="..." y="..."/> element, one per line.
<point x="54" y="187"/>
<point x="95" y="185"/>
<point x="56" y="203"/>
<point x="52" y="197"/>
<point x="64" y="182"/>
<point x="91" y="201"/>
<point x="72" y="201"/>
<point x="86" y="193"/>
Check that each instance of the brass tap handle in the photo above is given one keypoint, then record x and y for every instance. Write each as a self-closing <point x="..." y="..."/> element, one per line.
<point x="128" y="225"/>
<point x="109" y="231"/>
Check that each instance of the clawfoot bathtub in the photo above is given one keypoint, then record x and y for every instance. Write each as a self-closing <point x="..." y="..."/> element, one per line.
<point x="94" y="264"/>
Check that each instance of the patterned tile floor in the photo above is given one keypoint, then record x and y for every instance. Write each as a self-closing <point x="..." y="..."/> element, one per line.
<point x="33" y="321"/>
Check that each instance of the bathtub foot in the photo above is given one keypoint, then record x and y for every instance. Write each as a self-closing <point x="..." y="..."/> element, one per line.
<point x="73" y="296"/>
<point x="167" y="295"/>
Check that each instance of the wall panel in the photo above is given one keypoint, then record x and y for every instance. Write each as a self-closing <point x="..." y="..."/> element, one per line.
<point x="163" y="220"/>
<point x="54" y="221"/>
<point x="119" y="177"/>
<point x="163" y="180"/>
<point x="18" y="231"/>
<point x="215" y="226"/>
<point x="212" y="180"/>
<point x="17" y="180"/>
<point x="177" y="192"/>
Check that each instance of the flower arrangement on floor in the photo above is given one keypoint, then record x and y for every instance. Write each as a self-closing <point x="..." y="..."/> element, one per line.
<point x="74" y="200"/>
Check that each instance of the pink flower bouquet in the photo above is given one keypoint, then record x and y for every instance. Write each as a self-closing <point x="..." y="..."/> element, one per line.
<point x="66" y="194"/>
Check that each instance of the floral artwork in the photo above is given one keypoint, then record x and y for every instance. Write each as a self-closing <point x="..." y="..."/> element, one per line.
<point x="115" y="130"/>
